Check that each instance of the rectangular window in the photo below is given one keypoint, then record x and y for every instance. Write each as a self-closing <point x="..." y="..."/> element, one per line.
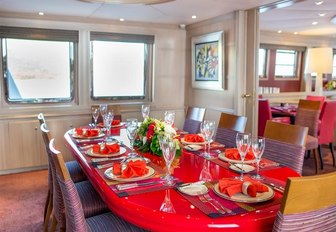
<point x="285" y="63"/>
<point x="334" y="67"/>
<point x="262" y="63"/>
<point x="121" y="66"/>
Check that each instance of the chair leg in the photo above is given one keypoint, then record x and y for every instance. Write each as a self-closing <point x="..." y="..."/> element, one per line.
<point x="307" y="154"/>
<point x="48" y="213"/>
<point x="331" y="146"/>
<point x="319" y="148"/>
<point x="53" y="224"/>
<point x="317" y="162"/>
<point x="46" y="206"/>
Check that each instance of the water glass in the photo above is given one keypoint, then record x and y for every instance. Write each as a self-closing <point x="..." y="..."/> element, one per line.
<point x="258" y="147"/>
<point x="145" y="109"/>
<point x="103" y="109"/>
<point x="107" y="119"/>
<point x="131" y="130"/>
<point x="169" y="117"/>
<point x="95" y="115"/>
<point x="168" y="147"/>
<point x="243" y="142"/>
<point x="207" y="130"/>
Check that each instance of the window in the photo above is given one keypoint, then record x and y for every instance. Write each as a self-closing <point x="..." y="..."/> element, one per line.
<point x="334" y="65"/>
<point x="38" y="64"/>
<point x="285" y="63"/>
<point x="121" y="66"/>
<point x="262" y="63"/>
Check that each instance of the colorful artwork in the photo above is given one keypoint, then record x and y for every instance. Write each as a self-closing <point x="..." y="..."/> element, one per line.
<point x="206" y="61"/>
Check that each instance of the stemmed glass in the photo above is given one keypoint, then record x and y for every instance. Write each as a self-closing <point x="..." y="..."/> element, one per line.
<point x="145" y="109"/>
<point x="169" y="117"/>
<point x="167" y="205"/>
<point x="205" y="174"/>
<point x="131" y="129"/>
<point x="95" y="115"/>
<point x="243" y="142"/>
<point x="168" y="147"/>
<point x="107" y="119"/>
<point x="207" y="130"/>
<point x="258" y="147"/>
<point x="103" y="109"/>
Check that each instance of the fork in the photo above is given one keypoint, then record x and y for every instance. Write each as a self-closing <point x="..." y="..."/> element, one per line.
<point x="210" y="199"/>
<point x="205" y="200"/>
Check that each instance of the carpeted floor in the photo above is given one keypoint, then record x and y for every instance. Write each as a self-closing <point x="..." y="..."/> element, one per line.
<point x="22" y="196"/>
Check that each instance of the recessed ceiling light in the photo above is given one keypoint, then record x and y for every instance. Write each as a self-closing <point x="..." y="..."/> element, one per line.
<point x="322" y="14"/>
<point x="194" y="17"/>
<point x="314" y="23"/>
<point x="279" y="31"/>
<point x="122" y="20"/>
<point x="41" y="13"/>
<point x="318" y="3"/>
<point x="295" y="33"/>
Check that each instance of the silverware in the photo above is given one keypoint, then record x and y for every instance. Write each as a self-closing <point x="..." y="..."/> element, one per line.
<point x="135" y="185"/>
<point x="101" y="166"/>
<point x="205" y="200"/>
<point x="192" y="183"/>
<point x="209" y="198"/>
<point x="97" y="160"/>
<point x="276" y="187"/>
<point x="236" y="166"/>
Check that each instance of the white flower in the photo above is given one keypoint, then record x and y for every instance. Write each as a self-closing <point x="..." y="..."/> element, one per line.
<point x="169" y="130"/>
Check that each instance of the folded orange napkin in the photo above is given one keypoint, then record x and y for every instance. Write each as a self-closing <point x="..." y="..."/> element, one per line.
<point x="193" y="138"/>
<point x="232" y="153"/>
<point x="248" y="187"/>
<point x="87" y="132"/>
<point x="104" y="148"/>
<point x="116" y="168"/>
<point x="134" y="169"/>
<point x="115" y="122"/>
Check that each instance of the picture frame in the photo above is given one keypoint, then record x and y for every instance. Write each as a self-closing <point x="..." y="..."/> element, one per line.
<point x="207" y="61"/>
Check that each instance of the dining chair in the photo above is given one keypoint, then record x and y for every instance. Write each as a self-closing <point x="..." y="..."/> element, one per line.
<point x="193" y="119"/>
<point x="326" y="129"/>
<point x="228" y="126"/>
<point x="319" y="98"/>
<point x="76" y="197"/>
<point x="308" y="204"/>
<point x="285" y="144"/>
<point x="265" y="114"/>
<point x="307" y="115"/>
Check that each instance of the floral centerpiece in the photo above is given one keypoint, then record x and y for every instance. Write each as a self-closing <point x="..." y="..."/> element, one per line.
<point x="147" y="136"/>
<point x="330" y="85"/>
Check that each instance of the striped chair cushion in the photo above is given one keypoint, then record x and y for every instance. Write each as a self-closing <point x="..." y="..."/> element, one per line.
<point x="319" y="220"/>
<point x="191" y="126"/>
<point x="75" y="171"/>
<point x="308" y="118"/>
<point x="286" y="154"/>
<point x="110" y="222"/>
<point x="226" y="136"/>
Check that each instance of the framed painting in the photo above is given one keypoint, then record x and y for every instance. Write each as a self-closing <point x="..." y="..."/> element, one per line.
<point x="207" y="61"/>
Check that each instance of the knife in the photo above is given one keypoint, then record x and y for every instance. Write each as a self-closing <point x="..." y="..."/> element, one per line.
<point x="97" y="160"/>
<point x="135" y="185"/>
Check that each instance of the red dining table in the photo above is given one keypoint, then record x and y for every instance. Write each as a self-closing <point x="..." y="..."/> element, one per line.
<point x="141" y="206"/>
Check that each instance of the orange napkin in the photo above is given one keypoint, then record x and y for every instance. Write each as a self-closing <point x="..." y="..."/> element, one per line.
<point x="248" y="187"/>
<point x="116" y="168"/>
<point x="87" y="132"/>
<point x="193" y="138"/>
<point x="134" y="169"/>
<point x="106" y="148"/>
<point x="232" y="153"/>
<point x="115" y="122"/>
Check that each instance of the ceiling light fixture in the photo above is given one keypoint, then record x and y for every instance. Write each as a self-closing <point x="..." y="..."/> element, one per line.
<point x="317" y="3"/>
<point x="143" y="2"/>
<point x="279" y="31"/>
<point x="322" y="14"/>
<point x="295" y="33"/>
<point x="121" y="20"/>
<point x="194" y="17"/>
<point x="314" y="23"/>
<point x="41" y="13"/>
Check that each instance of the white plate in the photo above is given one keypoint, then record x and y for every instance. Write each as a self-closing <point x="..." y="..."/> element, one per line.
<point x="240" y="197"/>
<point x="222" y="157"/>
<point x="238" y="168"/>
<point x="192" y="147"/>
<point x="109" y="174"/>
<point x="91" y="153"/>
<point x="185" y="142"/>
<point x="194" y="189"/>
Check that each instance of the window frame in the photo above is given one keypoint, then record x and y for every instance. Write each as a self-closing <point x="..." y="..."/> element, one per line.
<point x="296" y="71"/>
<point x="148" y="41"/>
<point x="70" y="36"/>
<point x="265" y="68"/>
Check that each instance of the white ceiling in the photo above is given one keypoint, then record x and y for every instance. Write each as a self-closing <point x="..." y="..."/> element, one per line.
<point x="297" y="17"/>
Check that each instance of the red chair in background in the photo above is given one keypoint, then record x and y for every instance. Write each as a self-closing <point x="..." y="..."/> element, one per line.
<point x="265" y="114"/>
<point x="326" y="130"/>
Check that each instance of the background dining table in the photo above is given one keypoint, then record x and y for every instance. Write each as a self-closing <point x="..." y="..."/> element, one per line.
<point x="141" y="206"/>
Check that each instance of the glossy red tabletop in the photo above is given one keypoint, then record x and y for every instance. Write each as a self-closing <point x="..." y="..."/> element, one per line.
<point x="144" y="209"/>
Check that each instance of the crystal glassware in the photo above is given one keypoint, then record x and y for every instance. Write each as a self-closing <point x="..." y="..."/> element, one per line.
<point x="107" y="119"/>
<point x="258" y="147"/>
<point x="131" y="130"/>
<point x="243" y="142"/>
<point x="145" y="109"/>
<point x="205" y="174"/>
<point x="103" y="110"/>
<point x="169" y="117"/>
<point x="95" y="115"/>
<point x="207" y="130"/>
<point x="167" y="205"/>
<point x="168" y="147"/>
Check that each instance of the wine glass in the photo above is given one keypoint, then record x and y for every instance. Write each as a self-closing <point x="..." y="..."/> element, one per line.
<point x="167" y="205"/>
<point x="145" y="109"/>
<point x="103" y="109"/>
<point x="243" y="142"/>
<point x="169" y="117"/>
<point x="95" y="115"/>
<point x="207" y="130"/>
<point x="107" y="119"/>
<point x="258" y="147"/>
<point x="205" y="174"/>
<point x="131" y="130"/>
